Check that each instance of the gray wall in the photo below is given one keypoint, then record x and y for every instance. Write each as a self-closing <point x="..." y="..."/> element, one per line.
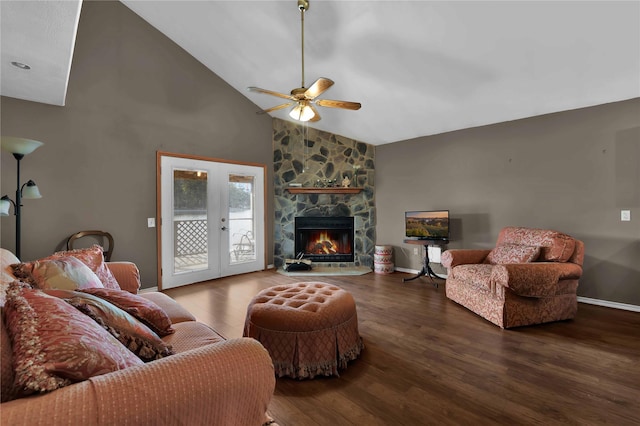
<point x="572" y="171"/>
<point x="132" y="92"/>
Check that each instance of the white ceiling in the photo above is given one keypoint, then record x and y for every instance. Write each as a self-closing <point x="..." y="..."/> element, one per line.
<point x="418" y="67"/>
<point x="41" y="35"/>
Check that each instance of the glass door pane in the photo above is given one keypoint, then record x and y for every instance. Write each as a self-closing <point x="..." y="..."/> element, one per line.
<point x="190" y="233"/>
<point x="241" y="216"/>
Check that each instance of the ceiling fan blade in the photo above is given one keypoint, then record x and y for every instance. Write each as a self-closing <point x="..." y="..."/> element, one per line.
<point x="316" y="117"/>
<point x="275" y="108"/>
<point x="338" y="104"/>
<point x="318" y="87"/>
<point x="270" y="92"/>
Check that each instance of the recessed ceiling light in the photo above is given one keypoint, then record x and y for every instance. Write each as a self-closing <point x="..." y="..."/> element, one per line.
<point x="20" y="65"/>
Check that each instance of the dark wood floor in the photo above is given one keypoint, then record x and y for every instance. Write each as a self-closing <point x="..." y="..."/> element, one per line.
<point x="430" y="361"/>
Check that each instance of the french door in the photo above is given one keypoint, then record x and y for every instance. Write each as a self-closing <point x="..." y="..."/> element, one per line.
<point x="211" y="219"/>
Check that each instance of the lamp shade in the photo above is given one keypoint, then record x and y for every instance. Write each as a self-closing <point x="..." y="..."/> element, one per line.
<point x="302" y="112"/>
<point x="30" y="190"/>
<point x="19" y="145"/>
<point x="4" y="206"/>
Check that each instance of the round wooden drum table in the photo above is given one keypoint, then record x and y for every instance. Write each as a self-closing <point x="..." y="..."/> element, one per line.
<point x="310" y="329"/>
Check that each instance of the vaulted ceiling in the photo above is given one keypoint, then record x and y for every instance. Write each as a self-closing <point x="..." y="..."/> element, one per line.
<point x="418" y="67"/>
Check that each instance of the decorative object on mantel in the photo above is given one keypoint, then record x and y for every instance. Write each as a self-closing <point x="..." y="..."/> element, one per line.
<point x="356" y="167"/>
<point x="325" y="183"/>
<point x="303" y="98"/>
<point x="346" y="181"/>
<point x="19" y="147"/>
<point x="334" y="190"/>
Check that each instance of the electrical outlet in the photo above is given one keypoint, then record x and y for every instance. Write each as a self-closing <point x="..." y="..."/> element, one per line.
<point x="151" y="222"/>
<point x="415" y="251"/>
<point x="625" y="215"/>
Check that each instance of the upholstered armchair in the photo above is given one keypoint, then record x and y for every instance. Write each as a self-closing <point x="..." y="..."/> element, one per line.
<point x="530" y="277"/>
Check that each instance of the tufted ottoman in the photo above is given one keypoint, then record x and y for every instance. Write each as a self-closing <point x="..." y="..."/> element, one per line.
<point x="310" y="329"/>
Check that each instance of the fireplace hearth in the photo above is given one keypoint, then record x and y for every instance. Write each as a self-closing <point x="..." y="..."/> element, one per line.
<point x="325" y="239"/>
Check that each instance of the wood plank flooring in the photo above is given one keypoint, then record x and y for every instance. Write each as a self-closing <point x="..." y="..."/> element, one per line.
<point x="429" y="361"/>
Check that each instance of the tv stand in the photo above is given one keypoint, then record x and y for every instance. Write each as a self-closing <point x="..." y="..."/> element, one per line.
<point x="426" y="267"/>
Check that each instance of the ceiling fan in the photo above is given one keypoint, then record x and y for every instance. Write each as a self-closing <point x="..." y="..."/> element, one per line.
<point x="302" y="98"/>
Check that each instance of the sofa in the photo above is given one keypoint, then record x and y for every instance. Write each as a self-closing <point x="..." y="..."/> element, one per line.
<point x="530" y="277"/>
<point x="208" y="380"/>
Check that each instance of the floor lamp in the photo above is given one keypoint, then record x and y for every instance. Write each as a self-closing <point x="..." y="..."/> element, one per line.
<point x="19" y="147"/>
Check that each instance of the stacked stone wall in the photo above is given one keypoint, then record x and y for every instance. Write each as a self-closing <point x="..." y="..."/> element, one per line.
<point x="311" y="158"/>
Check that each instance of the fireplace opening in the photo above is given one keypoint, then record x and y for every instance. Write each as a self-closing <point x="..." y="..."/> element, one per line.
<point x="325" y="239"/>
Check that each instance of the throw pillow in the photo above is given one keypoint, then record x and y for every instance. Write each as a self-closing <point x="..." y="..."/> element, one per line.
<point x="93" y="257"/>
<point x="143" y="309"/>
<point x="133" y="334"/>
<point x="512" y="253"/>
<point x="54" y="344"/>
<point x="64" y="272"/>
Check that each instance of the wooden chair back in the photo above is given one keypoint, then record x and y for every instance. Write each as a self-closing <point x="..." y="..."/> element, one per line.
<point x="100" y="234"/>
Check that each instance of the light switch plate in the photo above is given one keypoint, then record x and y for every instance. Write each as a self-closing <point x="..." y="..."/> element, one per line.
<point x="625" y="215"/>
<point x="151" y="222"/>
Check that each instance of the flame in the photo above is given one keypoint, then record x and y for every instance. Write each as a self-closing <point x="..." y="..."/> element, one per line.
<point x="321" y="243"/>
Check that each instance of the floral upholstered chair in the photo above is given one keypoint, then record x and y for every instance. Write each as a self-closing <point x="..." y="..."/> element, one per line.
<point x="530" y="277"/>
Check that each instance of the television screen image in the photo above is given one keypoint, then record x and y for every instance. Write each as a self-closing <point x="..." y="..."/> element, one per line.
<point x="427" y="225"/>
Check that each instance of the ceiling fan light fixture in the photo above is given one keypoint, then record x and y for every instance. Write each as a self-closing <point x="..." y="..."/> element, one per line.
<point x="302" y="112"/>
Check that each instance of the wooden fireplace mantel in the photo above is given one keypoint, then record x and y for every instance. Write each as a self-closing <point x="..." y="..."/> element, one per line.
<point x="335" y="190"/>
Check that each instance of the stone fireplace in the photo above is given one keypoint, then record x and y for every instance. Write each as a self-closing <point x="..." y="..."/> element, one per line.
<point x="307" y="157"/>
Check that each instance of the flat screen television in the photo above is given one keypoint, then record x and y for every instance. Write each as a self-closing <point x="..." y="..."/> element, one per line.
<point x="427" y="225"/>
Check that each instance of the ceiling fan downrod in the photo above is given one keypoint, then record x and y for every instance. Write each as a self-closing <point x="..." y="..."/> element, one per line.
<point x="303" y="6"/>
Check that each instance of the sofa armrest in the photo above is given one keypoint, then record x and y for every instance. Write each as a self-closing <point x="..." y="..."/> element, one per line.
<point x="71" y="405"/>
<point x="127" y="275"/>
<point x="537" y="279"/>
<point x="455" y="257"/>
<point x="230" y="382"/>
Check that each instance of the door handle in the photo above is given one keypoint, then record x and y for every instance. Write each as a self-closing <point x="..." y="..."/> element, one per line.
<point x="224" y="228"/>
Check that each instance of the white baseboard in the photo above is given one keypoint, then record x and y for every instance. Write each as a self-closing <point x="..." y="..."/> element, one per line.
<point x="609" y="304"/>
<point x="148" y="289"/>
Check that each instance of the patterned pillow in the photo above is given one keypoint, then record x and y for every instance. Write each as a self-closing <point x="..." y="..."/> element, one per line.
<point x="133" y="334"/>
<point x="512" y="253"/>
<point x="145" y="310"/>
<point x="93" y="257"/>
<point x="54" y="344"/>
<point x="64" y="272"/>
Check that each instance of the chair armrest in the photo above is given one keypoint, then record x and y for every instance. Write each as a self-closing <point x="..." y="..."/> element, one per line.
<point x="537" y="279"/>
<point x="455" y="257"/>
<point x="127" y="275"/>
<point x="230" y="382"/>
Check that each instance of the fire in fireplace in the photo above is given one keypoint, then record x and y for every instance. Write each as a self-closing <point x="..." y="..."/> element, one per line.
<point x="325" y="239"/>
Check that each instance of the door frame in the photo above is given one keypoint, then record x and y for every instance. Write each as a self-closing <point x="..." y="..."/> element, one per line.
<point x="159" y="155"/>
